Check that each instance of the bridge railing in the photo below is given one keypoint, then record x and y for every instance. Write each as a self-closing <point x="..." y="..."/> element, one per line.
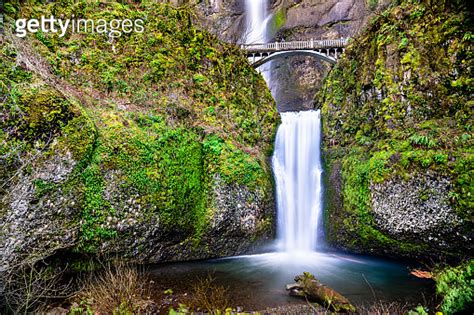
<point x="296" y="45"/>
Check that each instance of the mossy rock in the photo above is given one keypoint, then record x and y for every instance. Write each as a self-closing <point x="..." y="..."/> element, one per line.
<point x="395" y="107"/>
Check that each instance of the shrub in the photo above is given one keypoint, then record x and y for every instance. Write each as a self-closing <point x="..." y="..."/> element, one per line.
<point x="29" y="286"/>
<point x="119" y="289"/>
<point x="208" y="296"/>
<point x="456" y="286"/>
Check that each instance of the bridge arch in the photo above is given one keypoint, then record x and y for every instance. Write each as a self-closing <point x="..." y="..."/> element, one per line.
<point x="326" y="50"/>
<point x="281" y="54"/>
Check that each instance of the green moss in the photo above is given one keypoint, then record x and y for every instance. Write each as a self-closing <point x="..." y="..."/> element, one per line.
<point x="37" y="114"/>
<point x="79" y="137"/>
<point x="357" y="175"/>
<point x="42" y="187"/>
<point x="152" y="117"/>
<point x="384" y="111"/>
<point x="373" y="4"/>
<point x="166" y="168"/>
<point x="278" y="20"/>
<point x="94" y="211"/>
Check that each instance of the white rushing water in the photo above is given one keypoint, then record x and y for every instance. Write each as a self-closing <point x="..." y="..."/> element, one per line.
<point x="257" y="18"/>
<point x="256" y="15"/>
<point x="297" y="169"/>
<point x="296" y="161"/>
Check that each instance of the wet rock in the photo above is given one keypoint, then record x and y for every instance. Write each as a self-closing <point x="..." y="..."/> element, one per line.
<point x="32" y="228"/>
<point x="238" y="220"/>
<point x="417" y="208"/>
<point x="225" y="18"/>
<point x="297" y="79"/>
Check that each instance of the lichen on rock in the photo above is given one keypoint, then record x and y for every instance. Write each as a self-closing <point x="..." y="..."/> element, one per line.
<point x="417" y="208"/>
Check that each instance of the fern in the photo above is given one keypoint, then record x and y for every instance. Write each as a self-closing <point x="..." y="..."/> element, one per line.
<point x="421" y="140"/>
<point x="456" y="285"/>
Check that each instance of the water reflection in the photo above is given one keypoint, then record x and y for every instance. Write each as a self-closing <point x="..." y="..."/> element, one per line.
<point x="258" y="281"/>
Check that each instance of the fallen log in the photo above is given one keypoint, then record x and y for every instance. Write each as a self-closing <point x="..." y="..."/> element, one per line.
<point x="311" y="288"/>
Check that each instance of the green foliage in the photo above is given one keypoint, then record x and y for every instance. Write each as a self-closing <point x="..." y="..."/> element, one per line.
<point x="40" y="36"/>
<point x="419" y="310"/>
<point x="278" y="20"/>
<point x="168" y="62"/>
<point x="403" y="43"/>
<point x="456" y="286"/>
<point x="398" y="104"/>
<point x="421" y="140"/>
<point x="373" y="4"/>
<point x="199" y="78"/>
<point x="441" y="158"/>
<point x="195" y="111"/>
<point x="42" y="187"/>
<point x="9" y="8"/>
<point x="81" y="309"/>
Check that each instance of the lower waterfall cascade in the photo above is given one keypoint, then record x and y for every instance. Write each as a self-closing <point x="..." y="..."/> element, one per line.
<point x="297" y="169"/>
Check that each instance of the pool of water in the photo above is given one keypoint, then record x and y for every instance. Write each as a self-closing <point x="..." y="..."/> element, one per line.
<point x="256" y="282"/>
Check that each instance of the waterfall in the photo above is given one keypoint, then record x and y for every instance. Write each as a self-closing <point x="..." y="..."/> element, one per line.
<point x="297" y="169"/>
<point x="256" y="13"/>
<point x="296" y="160"/>
<point x="257" y="19"/>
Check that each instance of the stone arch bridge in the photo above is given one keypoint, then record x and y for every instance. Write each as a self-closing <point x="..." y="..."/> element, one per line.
<point x="327" y="50"/>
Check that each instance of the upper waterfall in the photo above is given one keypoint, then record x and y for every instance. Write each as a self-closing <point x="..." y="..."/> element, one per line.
<point x="257" y="17"/>
<point x="256" y="13"/>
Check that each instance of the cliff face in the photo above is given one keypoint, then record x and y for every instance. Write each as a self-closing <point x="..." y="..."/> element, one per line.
<point x="296" y="79"/>
<point x="152" y="146"/>
<point x="398" y="143"/>
<point x="224" y="18"/>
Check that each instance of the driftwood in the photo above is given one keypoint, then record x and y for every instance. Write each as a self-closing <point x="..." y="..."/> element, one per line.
<point x="309" y="287"/>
